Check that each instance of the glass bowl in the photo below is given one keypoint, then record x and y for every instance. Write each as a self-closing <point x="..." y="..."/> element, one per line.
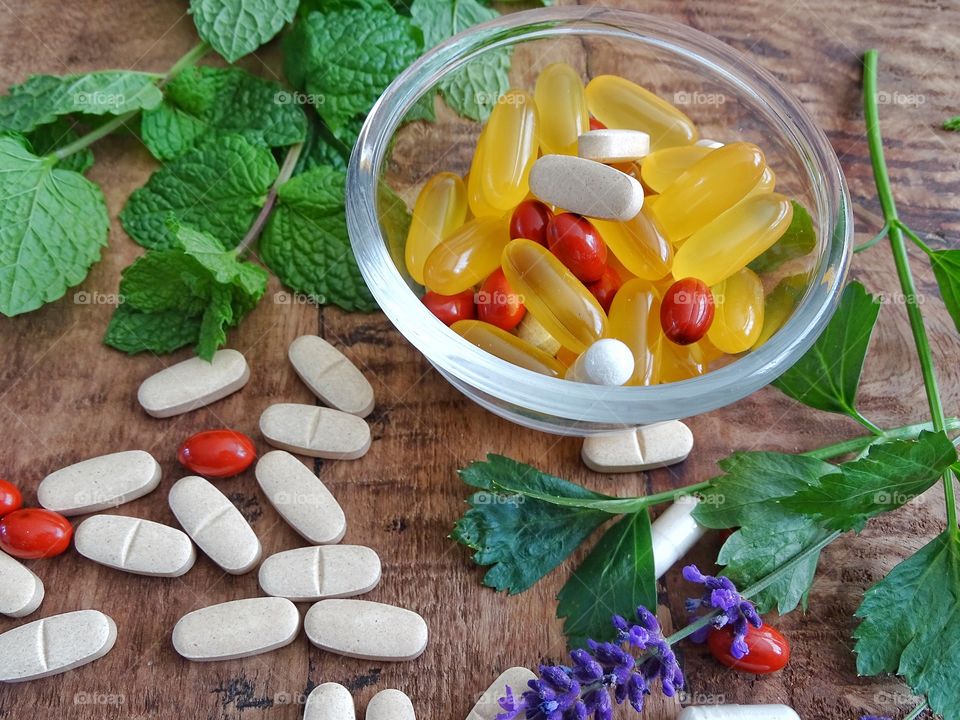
<point x="729" y="98"/>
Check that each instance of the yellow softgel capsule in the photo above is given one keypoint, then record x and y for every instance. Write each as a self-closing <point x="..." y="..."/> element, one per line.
<point x="738" y="312"/>
<point x="682" y="362"/>
<point x="732" y="240"/>
<point x="553" y="295"/>
<point x="662" y="167"/>
<point x="619" y="103"/>
<point x="440" y="209"/>
<point x="466" y="257"/>
<point x="509" y="347"/>
<point x="479" y="205"/>
<point x="767" y="183"/>
<point x="638" y="244"/>
<point x="561" y="109"/>
<point x="709" y="187"/>
<point x="635" y="321"/>
<point x="780" y="304"/>
<point x="509" y="151"/>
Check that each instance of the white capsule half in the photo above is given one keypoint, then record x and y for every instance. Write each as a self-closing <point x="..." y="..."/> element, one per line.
<point x="674" y="533"/>
<point x="739" y="712"/>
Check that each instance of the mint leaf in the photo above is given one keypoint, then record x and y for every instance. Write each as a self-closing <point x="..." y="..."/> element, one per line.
<point x="910" y="625"/>
<point x="213" y="325"/>
<point x="346" y="83"/>
<point x="952" y="124"/>
<point x="616" y="577"/>
<point x="44" y="98"/>
<point x="828" y="374"/>
<point x="305" y="241"/>
<point x="946" y="268"/>
<point x="799" y="239"/>
<point x="52" y="225"/>
<point x="217" y="187"/>
<point x="201" y="101"/>
<point x="892" y="474"/>
<point x="323" y="149"/>
<point x="395" y="221"/>
<point x="235" y="28"/>
<point x="133" y="331"/>
<point x="44" y="139"/>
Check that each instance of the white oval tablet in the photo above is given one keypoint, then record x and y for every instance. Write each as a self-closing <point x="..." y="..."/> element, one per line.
<point x="99" y="483"/>
<point x="613" y="146"/>
<point x="643" y="448"/>
<point x="315" y="431"/>
<point x="215" y="525"/>
<point x="608" y="361"/>
<point x="55" y="644"/>
<point x="488" y="705"/>
<point x="193" y="383"/>
<point x="315" y="573"/>
<point x="21" y="592"/>
<point x="366" y="630"/>
<point x="330" y="375"/>
<point x="674" y="532"/>
<point x="236" y="629"/>
<point x="301" y="498"/>
<point x="135" y="545"/>
<point x="390" y="705"/>
<point x="329" y="701"/>
<point x="739" y="712"/>
<point x="586" y="187"/>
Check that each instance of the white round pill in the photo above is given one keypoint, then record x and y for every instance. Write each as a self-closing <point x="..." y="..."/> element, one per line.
<point x="606" y="362"/>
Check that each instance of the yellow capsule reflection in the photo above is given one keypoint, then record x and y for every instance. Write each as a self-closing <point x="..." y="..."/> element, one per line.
<point x="561" y="109"/>
<point x="638" y="244"/>
<point x="509" y="347"/>
<point x="635" y="321"/>
<point x="780" y="304"/>
<point x="509" y="151"/>
<point x="440" y="209"/>
<point x="479" y="205"/>
<point x="738" y="312"/>
<point x="661" y="168"/>
<point x="466" y="257"/>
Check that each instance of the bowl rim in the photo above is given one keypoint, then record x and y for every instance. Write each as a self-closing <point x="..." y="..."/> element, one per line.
<point x="529" y="395"/>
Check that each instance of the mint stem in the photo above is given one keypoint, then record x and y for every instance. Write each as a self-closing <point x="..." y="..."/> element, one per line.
<point x="286" y="170"/>
<point x="902" y="262"/>
<point x="917" y="711"/>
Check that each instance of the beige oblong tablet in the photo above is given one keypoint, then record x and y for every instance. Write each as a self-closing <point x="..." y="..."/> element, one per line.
<point x="488" y="705"/>
<point x="315" y="573"/>
<point x="613" y="146"/>
<point x="236" y="629"/>
<point x="55" y="644"/>
<point x="135" y="545"/>
<point x="99" y="483"/>
<point x="21" y="592"/>
<point x="390" y="705"/>
<point x="366" y="630"/>
<point x="301" y="498"/>
<point x="215" y="525"/>
<point x="193" y="383"/>
<point x="329" y="701"/>
<point x="330" y="375"/>
<point x="642" y="448"/>
<point x="315" y="431"/>
<point x="586" y="187"/>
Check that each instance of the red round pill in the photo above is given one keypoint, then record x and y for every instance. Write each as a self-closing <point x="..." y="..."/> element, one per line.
<point x="769" y="650"/>
<point x="217" y="453"/>
<point x="686" y="311"/>
<point x="31" y="533"/>
<point x="578" y="245"/>
<point x="605" y="288"/>
<point x="10" y="498"/>
<point x="530" y="220"/>
<point x="498" y="304"/>
<point x="451" y="308"/>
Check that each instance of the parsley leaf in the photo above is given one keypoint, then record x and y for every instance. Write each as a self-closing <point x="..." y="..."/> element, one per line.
<point x="305" y="242"/>
<point x="235" y="28"/>
<point x="616" y="577"/>
<point x="828" y="374"/>
<point x="204" y="100"/>
<point x="53" y="223"/>
<point x="910" y="625"/>
<point x="799" y="240"/>
<point x="946" y="268"/>
<point x="44" y="139"/>
<point x="217" y="187"/>
<point x="44" y="98"/>
<point x="780" y="304"/>
<point x="952" y="124"/>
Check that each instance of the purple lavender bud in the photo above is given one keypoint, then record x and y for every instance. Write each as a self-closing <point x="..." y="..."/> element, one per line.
<point x="648" y="621"/>
<point x="556" y="677"/>
<point x="636" y="690"/>
<point x="586" y="670"/>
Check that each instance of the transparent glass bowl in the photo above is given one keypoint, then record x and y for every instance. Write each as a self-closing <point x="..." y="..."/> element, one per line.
<point x="728" y="97"/>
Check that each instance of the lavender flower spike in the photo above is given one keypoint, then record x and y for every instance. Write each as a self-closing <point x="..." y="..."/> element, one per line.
<point x="721" y="594"/>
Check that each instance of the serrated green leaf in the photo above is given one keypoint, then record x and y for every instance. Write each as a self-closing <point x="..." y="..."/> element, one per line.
<point x="217" y="187"/>
<point x="946" y="268"/>
<point x="615" y="578"/>
<point x="780" y="304"/>
<point x="323" y="148"/>
<point x="217" y="317"/>
<point x="799" y="239"/>
<point x="44" y="98"/>
<point x="305" y="242"/>
<point x="828" y="374"/>
<point x="53" y="223"/>
<point x="133" y="331"/>
<point x="201" y="101"/>
<point x="235" y="28"/>
<point x="165" y="280"/>
<point x="44" y="139"/>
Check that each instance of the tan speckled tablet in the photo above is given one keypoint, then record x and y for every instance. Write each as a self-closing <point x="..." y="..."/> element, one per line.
<point x="330" y="375"/>
<point x="315" y="431"/>
<point x="390" y="705"/>
<point x="315" y="573"/>
<point x="643" y="448"/>
<point x="236" y="629"/>
<point x="488" y="705"/>
<point x="366" y="630"/>
<point x="193" y="383"/>
<point x="135" y="545"/>
<point x="613" y="146"/>
<point x="55" y="644"/>
<point x="586" y="187"/>
<point x="215" y="525"/>
<point x="329" y="701"/>
<point x="21" y="592"/>
<point x="301" y="498"/>
<point x="99" y="483"/>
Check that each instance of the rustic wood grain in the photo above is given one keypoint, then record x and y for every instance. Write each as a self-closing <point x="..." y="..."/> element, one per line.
<point x="64" y="397"/>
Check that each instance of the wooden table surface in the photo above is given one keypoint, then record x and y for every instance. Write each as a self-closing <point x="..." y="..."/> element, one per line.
<point x="65" y="397"/>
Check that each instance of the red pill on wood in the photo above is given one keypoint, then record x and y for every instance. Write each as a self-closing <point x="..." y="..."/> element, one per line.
<point x="10" y="498"/>
<point x="217" y="453"/>
<point x="769" y="650"/>
<point x="31" y="533"/>
<point x="686" y="311"/>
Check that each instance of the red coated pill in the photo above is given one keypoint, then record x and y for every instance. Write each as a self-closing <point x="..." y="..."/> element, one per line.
<point x="578" y="245"/>
<point x="686" y="311"/>
<point x="530" y="220"/>
<point x="217" y="453"/>
<point x="769" y="650"/>
<point x="606" y="287"/>
<point x="498" y="304"/>
<point x="10" y="498"/>
<point x="31" y="533"/>
<point x="451" y="308"/>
